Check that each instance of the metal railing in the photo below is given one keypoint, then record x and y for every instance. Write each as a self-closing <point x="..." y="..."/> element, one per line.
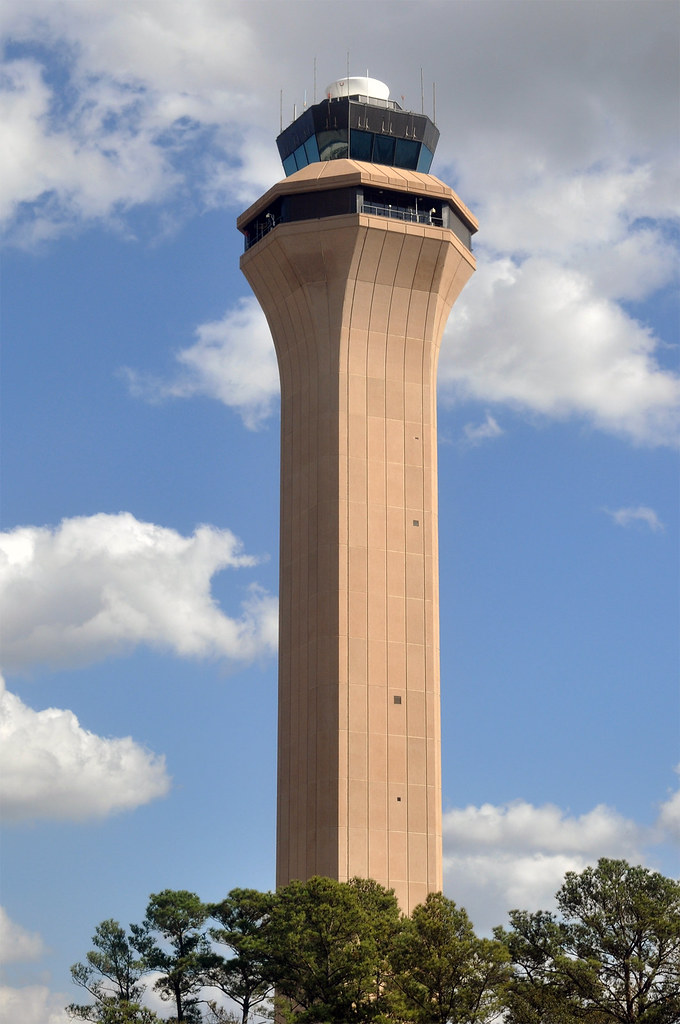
<point x="408" y="213"/>
<point x="259" y="228"/>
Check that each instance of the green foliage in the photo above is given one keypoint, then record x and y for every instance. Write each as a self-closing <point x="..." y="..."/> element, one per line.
<point x="327" y="949"/>
<point x="442" y="971"/>
<point x="218" y="1015"/>
<point x="111" y="975"/>
<point x="243" y="976"/>
<point x="113" y="1011"/>
<point x="613" y="958"/>
<point x="176" y="916"/>
<point x="341" y="953"/>
<point x="537" y="993"/>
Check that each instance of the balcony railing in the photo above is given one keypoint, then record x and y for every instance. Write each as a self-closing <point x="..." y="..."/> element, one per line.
<point x="412" y="214"/>
<point x="407" y="213"/>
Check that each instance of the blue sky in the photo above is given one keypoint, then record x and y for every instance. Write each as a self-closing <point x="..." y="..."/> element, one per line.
<point x="140" y="448"/>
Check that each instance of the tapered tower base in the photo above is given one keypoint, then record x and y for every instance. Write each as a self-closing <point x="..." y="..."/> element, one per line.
<point x="357" y="300"/>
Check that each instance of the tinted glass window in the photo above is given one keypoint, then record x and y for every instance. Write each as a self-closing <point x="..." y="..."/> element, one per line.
<point x="300" y="157"/>
<point x="289" y="165"/>
<point x="361" y="144"/>
<point x="332" y="144"/>
<point x="424" y="160"/>
<point x="383" y="150"/>
<point x="407" y="154"/>
<point x="312" y="150"/>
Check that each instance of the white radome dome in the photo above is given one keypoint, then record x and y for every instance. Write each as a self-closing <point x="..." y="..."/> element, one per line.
<point x="358" y="86"/>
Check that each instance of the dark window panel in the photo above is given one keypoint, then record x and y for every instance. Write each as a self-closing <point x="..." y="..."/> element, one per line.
<point x="312" y="150"/>
<point x="383" y="150"/>
<point x="361" y="145"/>
<point x="406" y="154"/>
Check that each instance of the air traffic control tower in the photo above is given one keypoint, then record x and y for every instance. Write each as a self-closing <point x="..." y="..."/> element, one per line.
<point x="356" y="258"/>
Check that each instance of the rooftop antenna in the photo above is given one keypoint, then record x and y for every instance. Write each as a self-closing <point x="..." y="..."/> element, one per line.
<point x="349" y="119"/>
<point x="434" y="102"/>
<point x="422" y="93"/>
<point x="305" y="101"/>
<point x="280" y="111"/>
<point x="315" y="80"/>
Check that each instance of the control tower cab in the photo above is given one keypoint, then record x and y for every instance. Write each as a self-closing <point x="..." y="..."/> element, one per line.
<point x="357" y="119"/>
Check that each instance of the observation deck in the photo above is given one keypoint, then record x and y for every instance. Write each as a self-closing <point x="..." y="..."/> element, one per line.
<point x="339" y="187"/>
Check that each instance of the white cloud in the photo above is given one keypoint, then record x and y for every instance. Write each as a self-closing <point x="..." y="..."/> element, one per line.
<point x="516" y="855"/>
<point x="669" y="815"/>
<point x="16" y="944"/>
<point x="233" y="360"/>
<point x="538" y="336"/>
<point x="583" y="213"/>
<point x="33" y="1004"/>
<point x="100" y="585"/>
<point x="103" y="161"/>
<point x="486" y="431"/>
<point x="638" y="514"/>
<point x="50" y="767"/>
<point x="145" y="86"/>
<point x="489" y="886"/>
<point x="145" y="41"/>
<point x="520" y="825"/>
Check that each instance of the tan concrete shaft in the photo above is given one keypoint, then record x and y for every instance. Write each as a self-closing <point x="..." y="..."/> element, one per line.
<point x="357" y="305"/>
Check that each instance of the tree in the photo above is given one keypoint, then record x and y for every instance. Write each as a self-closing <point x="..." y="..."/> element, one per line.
<point x="177" y="916"/>
<point x="121" y="1012"/>
<point x="385" y="923"/>
<point x="613" y="957"/>
<point x="243" y="977"/>
<point x="325" y="951"/>
<point x="442" y="971"/>
<point x="537" y="994"/>
<point x="111" y="975"/>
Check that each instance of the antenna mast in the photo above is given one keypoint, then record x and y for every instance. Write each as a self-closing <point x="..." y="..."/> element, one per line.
<point x="349" y="119"/>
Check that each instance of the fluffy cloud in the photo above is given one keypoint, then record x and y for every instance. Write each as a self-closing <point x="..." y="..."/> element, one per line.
<point x="109" y="159"/>
<point x="538" y="336"/>
<point x="101" y="163"/>
<point x="517" y="855"/>
<point x="50" y="767"/>
<point x="146" y="86"/>
<point x="232" y="360"/>
<point x="33" y="1004"/>
<point x="669" y="816"/>
<point x="16" y="944"/>
<point x="519" y="825"/>
<point x="577" y="215"/>
<point x="638" y="514"/>
<point x="102" y="584"/>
